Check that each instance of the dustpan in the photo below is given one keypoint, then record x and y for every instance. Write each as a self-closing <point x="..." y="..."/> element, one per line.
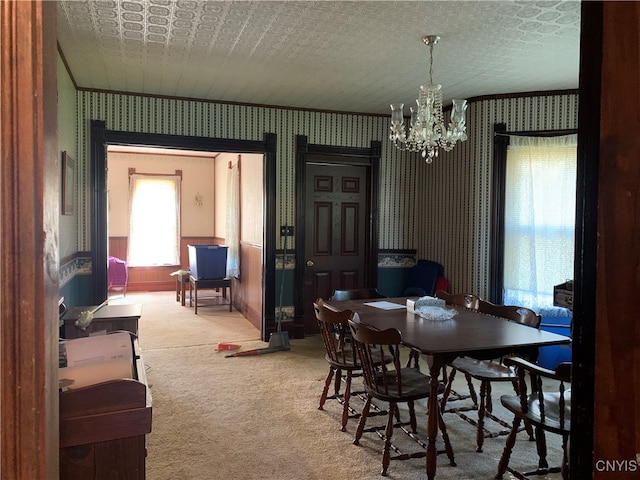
<point x="279" y="341"/>
<point x="226" y="346"/>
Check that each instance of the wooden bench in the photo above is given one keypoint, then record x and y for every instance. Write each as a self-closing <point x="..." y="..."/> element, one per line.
<point x="217" y="283"/>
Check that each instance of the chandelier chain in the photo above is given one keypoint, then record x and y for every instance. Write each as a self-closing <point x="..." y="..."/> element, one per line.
<point x="431" y="64"/>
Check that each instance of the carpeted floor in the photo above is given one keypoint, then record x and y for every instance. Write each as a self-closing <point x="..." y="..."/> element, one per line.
<point x="256" y="417"/>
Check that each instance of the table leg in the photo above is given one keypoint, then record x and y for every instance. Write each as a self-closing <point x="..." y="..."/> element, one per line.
<point x="195" y="297"/>
<point x="432" y="423"/>
<point x="435" y="421"/>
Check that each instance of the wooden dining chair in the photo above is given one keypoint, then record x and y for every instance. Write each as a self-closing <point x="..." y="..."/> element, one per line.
<point x="465" y="300"/>
<point x="547" y="408"/>
<point x="340" y="355"/>
<point x="487" y="372"/>
<point x="385" y="379"/>
<point x="356" y="294"/>
<point x="364" y="293"/>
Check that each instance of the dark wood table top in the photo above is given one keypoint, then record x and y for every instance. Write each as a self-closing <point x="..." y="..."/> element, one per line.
<point x="468" y="333"/>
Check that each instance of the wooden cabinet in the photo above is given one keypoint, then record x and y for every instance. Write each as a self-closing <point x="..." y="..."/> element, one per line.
<point x="103" y="428"/>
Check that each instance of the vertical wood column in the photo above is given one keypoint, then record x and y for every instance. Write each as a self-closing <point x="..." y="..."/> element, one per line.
<point x="29" y="210"/>
<point x="617" y="326"/>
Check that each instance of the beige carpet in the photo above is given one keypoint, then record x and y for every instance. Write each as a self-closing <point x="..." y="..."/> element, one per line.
<point x="256" y="417"/>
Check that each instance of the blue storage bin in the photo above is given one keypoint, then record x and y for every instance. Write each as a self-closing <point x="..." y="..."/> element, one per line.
<point x="207" y="262"/>
<point x="556" y="320"/>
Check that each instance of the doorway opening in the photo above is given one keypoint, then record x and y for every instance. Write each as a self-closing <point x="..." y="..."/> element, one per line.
<point x="101" y="139"/>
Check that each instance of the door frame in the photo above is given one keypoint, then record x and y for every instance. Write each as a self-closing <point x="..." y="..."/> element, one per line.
<point x="101" y="138"/>
<point x="368" y="157"/>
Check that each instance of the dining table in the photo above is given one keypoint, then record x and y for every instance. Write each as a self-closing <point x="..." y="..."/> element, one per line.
<point x="466" y="333"/>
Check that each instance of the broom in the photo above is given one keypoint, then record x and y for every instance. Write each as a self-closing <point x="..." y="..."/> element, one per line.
<point x="278" y="340"/>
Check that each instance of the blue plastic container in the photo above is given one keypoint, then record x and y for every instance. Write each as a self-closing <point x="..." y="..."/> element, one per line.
<point x="550" y="357"/>
<point x="208" y="262"/>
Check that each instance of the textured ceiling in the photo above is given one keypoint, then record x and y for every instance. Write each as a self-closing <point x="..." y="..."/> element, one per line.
<point x="330" y="55"/>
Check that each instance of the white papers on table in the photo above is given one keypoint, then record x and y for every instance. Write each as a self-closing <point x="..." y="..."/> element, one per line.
<point x="384" y="305"/>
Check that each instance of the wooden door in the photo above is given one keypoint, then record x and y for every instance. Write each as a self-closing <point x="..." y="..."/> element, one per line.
<point x="336" y="232"/>
<point x="336" y="224"/>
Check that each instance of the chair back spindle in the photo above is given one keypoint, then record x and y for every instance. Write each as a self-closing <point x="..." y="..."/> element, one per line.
<point x="381" y="369"/>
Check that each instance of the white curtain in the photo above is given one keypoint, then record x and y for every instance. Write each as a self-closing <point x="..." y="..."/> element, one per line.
<point x="154" y="220"/>
<point x="232" y="228"/>
<point x="539" y="219"/>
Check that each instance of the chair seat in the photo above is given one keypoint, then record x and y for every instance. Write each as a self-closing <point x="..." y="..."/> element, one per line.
<point x="415" y="385"/>
<point x="533" y="415"/>
<point x="348" y="359"/>
<point x="484" y="369"/>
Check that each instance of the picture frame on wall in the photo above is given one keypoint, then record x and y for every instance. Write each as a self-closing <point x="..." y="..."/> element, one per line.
<point x="68" y="183"/>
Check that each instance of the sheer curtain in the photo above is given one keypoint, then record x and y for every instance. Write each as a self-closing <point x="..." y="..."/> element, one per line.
<point x="539" y="218"/>
<point x="154" y="220"/>
<point x="232" y="228"/>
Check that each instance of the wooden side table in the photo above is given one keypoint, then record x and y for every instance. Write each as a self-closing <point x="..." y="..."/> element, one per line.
<point x="108" y="318"/>
<point x="195" y="284"/>
<point x="182" y="277"/>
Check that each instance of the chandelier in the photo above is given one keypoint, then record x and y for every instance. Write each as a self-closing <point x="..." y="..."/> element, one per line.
<point x="427" y="132"/>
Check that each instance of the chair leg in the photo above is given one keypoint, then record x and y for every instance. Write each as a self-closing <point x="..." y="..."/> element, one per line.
<point x="414" y="356"/>
<point x="413" y="423"/>
<point x="564" y="470"/>
<point x="388" y="433"/>
<point x="338" y="382"/>
<point x="345" y="406"/>
<point x="472" y="390"/>
<point x="481" y="413"/>
<point x="445" y="437"/>
<point x="541" y="446"/>
<point x="447" y="390"/>
<point x="508" y="447"/>
<point x="363" y="420"/>
<point x="325" y="390"/>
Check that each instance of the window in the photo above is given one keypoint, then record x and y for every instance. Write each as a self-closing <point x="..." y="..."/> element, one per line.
<point x="539" y="218"/>
<point x="154" y="221"/>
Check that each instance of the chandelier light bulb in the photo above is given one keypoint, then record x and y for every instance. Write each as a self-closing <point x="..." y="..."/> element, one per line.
<point x="427" y="132"/>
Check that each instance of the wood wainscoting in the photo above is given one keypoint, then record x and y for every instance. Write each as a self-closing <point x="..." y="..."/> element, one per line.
<point x="247" y="293"/>
<point x="154" y="279"/>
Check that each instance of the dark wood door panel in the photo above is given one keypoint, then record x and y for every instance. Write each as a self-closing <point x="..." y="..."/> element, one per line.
<point x="322" y="216"/>
<point x="335" y="235"/>
<point x="350" y="228"/>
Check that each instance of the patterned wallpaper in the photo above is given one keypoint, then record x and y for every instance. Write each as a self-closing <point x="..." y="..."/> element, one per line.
<point x="442" y="210"/>
<point x="454" y="199"/>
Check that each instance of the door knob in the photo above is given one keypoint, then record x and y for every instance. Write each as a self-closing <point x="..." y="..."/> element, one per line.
<point x="310" y="263"/>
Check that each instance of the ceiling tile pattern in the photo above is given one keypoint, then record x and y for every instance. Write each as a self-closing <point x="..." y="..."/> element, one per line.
<point x="332" y="55"/>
